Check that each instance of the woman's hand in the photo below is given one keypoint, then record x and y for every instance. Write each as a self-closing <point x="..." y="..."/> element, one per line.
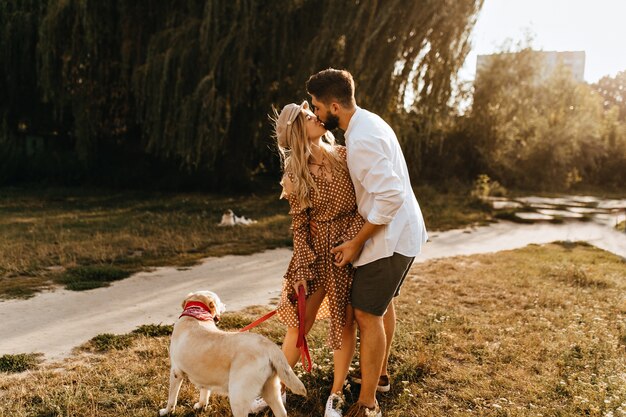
<point x="297" y="285"/>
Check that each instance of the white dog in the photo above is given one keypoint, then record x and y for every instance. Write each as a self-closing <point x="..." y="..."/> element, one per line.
<point x="240" y="365"/>
<point x="230" y="219"/>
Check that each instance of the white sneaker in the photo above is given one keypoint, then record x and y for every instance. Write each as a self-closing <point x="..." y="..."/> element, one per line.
<point x="259" y="403"/>
<point x="333" y="405"/>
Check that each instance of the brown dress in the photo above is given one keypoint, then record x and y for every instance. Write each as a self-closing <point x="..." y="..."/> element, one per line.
<point x="334" y="210"/>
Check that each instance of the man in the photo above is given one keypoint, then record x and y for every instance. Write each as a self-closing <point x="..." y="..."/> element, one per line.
<point x="393" y="234"/>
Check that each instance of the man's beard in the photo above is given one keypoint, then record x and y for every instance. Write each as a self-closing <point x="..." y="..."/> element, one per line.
<point x="331" y="122"/>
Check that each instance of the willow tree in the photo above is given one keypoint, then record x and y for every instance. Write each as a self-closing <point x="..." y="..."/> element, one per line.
<point x="19" y="94"/>
<point x="193" y="81"/>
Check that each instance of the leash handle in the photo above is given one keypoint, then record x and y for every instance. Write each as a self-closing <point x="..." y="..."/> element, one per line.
<point x="301" y="342"/>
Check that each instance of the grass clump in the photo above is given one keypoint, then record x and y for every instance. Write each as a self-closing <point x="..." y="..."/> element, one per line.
<point x="20" y="362"/>
<point x="22" y="287"/>
<point x="106" y="342"/>
<point x="575" y="275"/>
<point x="154" y="330"/>
<point x="89" y="277"/>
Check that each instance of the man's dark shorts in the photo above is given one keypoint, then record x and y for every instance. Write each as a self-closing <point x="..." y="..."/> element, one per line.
<point x="375" y="284"/>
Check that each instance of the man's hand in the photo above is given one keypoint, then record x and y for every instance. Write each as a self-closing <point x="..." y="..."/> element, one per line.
<point x="346" y="252"/>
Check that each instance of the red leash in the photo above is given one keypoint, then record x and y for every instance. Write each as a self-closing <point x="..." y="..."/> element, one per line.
<point x="258" y="321"/>
<point x="301" y="342"/>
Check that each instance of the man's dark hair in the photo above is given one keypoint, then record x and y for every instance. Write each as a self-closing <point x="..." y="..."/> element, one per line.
<point x="332" y="85"/>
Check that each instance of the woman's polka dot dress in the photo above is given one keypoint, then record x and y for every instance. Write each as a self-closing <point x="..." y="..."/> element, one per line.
<point x="335" y="212"/>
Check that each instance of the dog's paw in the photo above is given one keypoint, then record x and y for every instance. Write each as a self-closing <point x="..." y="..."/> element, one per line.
<point x="200" y="406"/>
<point x="165" y="412"/>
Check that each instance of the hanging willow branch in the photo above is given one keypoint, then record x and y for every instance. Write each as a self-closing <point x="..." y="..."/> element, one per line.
<point x="192" y="81"/>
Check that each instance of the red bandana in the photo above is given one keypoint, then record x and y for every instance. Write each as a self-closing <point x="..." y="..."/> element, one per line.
<point x="198" y="311"/>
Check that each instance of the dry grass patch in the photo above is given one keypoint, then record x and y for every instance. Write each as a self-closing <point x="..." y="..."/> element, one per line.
<point x="84" y="239"/>
<point x="516" y="333"/>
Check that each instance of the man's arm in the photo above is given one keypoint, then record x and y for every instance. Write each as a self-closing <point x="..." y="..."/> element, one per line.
<point x="374" y="171"/>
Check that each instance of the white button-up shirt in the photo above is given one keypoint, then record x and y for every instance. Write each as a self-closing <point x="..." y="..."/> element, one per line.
<point x="383" y="189"/>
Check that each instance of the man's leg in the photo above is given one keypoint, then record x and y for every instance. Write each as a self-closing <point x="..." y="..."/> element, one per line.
<point x="373" y="289"/>
<point x="372" y="354"/>
<point x="389" y="321"/>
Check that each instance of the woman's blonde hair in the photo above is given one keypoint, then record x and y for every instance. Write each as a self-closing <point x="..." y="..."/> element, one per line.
<point x="294" y="149"/>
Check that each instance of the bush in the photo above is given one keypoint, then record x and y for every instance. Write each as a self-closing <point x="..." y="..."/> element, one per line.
<point x="484" y="187"/>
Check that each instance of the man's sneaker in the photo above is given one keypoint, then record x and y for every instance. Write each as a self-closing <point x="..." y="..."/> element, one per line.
<point x="383" y="381"/>
<point x="359" y="410"/>
<point x="333" y="405"/>
<point x="259" y="403"/>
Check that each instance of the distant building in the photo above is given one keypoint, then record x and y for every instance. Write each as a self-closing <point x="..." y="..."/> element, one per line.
<point x="574" y="60"/>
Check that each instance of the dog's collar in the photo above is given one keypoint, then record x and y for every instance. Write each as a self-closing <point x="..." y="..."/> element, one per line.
<point x="198" y="311"/>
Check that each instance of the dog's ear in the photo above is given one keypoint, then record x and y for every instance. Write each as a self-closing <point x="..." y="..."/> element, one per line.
<point x="215" y="310"/>
<point x="185" y="299"/>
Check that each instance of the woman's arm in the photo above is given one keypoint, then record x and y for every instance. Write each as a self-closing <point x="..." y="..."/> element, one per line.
<point x="301" y="266"/>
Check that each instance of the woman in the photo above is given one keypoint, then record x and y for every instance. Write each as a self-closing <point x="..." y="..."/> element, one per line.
<point x="317" y="185"/>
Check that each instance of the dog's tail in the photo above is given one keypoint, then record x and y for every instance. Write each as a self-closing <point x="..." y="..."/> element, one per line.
<point x="285" y="373"/>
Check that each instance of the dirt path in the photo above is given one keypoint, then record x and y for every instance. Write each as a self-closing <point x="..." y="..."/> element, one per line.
<point x="55" y="322"/>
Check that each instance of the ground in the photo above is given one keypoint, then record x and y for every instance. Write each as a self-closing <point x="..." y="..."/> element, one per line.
<point x="534" y="331"/>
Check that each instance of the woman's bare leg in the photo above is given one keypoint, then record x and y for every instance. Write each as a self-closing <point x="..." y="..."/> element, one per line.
<point x="292" y="353"/>
<point x="343" y="357"/>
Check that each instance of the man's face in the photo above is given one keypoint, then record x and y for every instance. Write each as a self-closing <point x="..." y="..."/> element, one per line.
<point x="324" y="113"/>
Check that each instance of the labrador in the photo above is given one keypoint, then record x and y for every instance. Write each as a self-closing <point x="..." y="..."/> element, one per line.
<point x="240" y="365"/>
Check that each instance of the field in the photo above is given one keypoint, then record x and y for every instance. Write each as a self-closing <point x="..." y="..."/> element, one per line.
<point x="539" y="331"/>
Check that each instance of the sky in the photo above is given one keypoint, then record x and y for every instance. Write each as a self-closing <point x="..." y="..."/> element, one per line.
<point x="597" y="27"/>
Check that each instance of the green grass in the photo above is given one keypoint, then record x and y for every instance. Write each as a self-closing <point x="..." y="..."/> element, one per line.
<point x="93" y="276"/>
<point x="84" y="239"/>
<point x="106" y="342"/>
<point x="621" y="226"/>
<point x="20" y="362"/>
<point x="535" y="331"/>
